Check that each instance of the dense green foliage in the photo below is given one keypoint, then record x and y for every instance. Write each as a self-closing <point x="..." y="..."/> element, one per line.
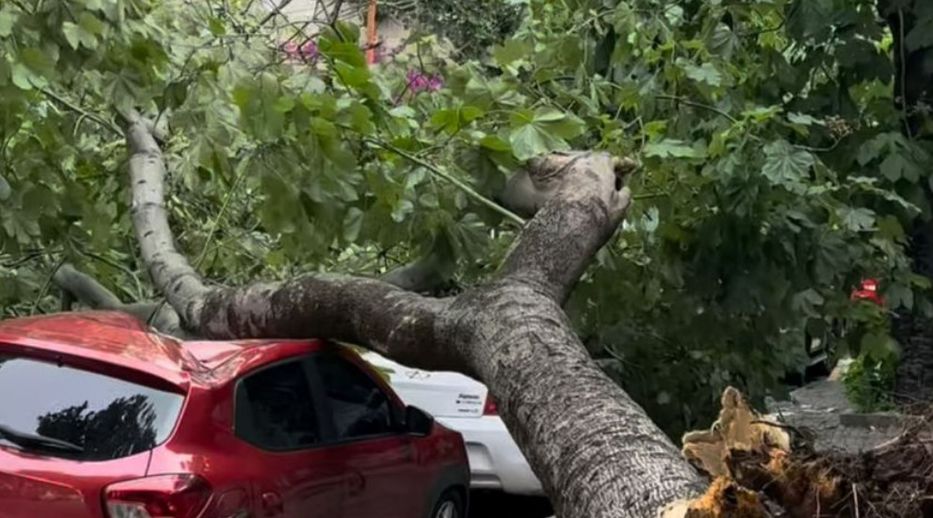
<point x="776" y="171"/>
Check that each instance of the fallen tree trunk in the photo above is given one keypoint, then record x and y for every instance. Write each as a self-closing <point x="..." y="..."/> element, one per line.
<point x="594" y="449"/>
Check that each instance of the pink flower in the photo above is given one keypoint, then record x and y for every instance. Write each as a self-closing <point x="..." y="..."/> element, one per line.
<point x="290" y="48"/>
<point x="309" y="51"/>
<point x="419" y="82"/>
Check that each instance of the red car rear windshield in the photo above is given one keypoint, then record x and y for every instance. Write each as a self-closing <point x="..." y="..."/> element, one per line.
<point x="61" y="411"/>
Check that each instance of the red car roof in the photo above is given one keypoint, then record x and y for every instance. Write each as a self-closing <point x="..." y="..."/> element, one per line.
<point x="123" y="341"/>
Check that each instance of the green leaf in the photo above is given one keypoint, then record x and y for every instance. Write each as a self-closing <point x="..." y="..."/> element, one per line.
<point x="357" y="78"/>
<point x="72" y="34"/>
<point x="38" y="61"/>
<point x="90" y="23"/>
<point x="785" y="165"/>
<point x="401" y="210"/>
<point x="352" y="224"/>
<point x="530" y="141"/>
<point x="346" y="52"/>
<point x="511" y="51"/>
<point x="706" y="73"/>
<point x="723" y="41"/>
<point x="760" y="114"/>
<point x="21" y="76"/>
<point x="921" y="36"/>
<point x="495" y="143"/>
<point x="898" y="165"/>
<point x="858" y="219"/>
<point x="671" y="148"/>
<point x="802" y="118"/>
<point x="284" y="104"/>
<point x="82" y="33"/>
<point x="5" y="190"/>
<point x="811" y="19"/>
<point x="808" y="302"/>
<point x="453" y="120"/>
<point x="890" y="228"/>
<point x="899" y="295"/>
<point x="429" y="200"/>
<point x="216" y="26"/>
<point x="874" y="147"/>
<point x="7" y="21"/>
<point x="542" y="131"/>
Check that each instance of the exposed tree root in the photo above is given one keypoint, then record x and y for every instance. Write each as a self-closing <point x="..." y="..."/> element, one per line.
<point x="765" y="469"/>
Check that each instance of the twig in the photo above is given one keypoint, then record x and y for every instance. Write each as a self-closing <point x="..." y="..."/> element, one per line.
<point x="650" y="195"/>
<point x="694" y="104"/>
<point x="335" y="16"/>
<point x="109" y="125"/>
<point x="855" y="497"/>
<point x="272" y="14"/>
<point x="792" y="12"/>
<point x="46" y="285"/>
<point x="114" y="264"/>
<point x="469" y="191"/>
<point x="23" y="260"/>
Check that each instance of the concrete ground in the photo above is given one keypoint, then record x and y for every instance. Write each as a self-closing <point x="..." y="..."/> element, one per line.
<point x="486" y="504"/>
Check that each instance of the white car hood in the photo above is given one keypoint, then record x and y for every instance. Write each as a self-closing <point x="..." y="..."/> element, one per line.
<point x="441" y="394"/>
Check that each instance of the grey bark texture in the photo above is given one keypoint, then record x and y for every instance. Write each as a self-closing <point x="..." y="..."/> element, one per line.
<point x="594" y="449"/>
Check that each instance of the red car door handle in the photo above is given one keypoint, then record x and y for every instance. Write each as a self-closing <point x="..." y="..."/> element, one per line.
<point x="272" y="504"/>
<point x="356" y="482"/>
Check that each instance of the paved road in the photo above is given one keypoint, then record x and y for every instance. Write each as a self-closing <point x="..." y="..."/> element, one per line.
<point x="495" y="505"/>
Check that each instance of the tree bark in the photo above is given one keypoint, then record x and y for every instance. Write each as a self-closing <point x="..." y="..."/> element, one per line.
<point x="85" y="289"/>
<point x="594" y="449"/>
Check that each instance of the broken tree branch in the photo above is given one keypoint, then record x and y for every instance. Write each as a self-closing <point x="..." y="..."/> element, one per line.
<point x="594" y="449"/>
<point x="81" y="287"/>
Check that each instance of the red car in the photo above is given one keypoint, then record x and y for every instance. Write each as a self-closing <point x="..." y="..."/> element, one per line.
<point x="102" y="418"/>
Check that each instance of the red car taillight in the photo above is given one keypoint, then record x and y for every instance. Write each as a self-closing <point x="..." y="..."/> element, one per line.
<point x="164" y="496"/>
<point x="490" y="407"/>
<point x="869" y="292"/>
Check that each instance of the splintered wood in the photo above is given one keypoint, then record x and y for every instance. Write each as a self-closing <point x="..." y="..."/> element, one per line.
<point x="759" y="469"/>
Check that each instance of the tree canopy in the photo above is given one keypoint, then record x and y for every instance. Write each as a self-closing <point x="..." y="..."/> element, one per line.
<point x="776" y="169"/>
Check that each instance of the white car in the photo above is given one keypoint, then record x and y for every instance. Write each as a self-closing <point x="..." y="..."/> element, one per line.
<point x="463" y="404"/>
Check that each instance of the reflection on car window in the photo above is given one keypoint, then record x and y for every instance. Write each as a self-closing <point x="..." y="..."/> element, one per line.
<point x="275" y="410"/>
<point x="358" y="405"/>
<point x="108" y="418"/>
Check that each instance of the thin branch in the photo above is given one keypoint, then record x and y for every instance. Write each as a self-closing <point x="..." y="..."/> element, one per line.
<point x="335" y="15"/>
<point x="85" y="289"/>
<point x="469" y="191"/>
<point x="108" y="125"/>
<point x="791" y="13"/>
<point x="694" y="104"/>
<point x="272" y="14"/>
<point x="650" y="195"/>
<point x="46" y="285"/>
